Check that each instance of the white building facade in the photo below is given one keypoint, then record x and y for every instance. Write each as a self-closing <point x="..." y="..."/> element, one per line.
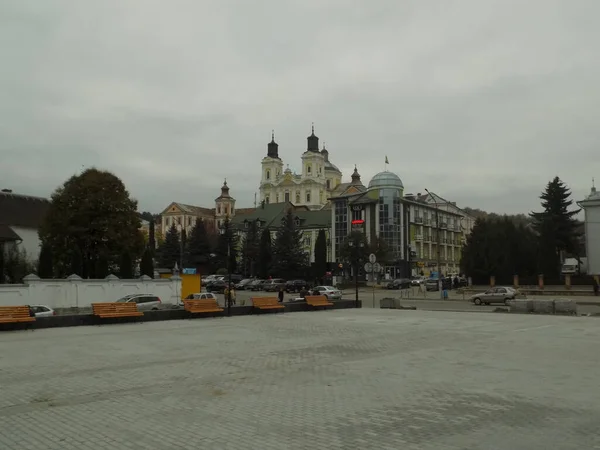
<point x="591" y="206"/>
<point x="310" y="188"/>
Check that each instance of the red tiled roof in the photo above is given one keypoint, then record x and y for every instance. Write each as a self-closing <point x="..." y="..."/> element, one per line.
<point x="22" y="210"/>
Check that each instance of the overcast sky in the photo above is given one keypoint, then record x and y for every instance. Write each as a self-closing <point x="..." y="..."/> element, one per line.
<point x="480" y="101"/>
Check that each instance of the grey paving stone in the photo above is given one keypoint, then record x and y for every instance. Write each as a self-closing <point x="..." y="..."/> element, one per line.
<point x="365" y="379"/>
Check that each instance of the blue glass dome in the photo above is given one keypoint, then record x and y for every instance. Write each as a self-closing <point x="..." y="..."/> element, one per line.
<point x="386" y="180"/>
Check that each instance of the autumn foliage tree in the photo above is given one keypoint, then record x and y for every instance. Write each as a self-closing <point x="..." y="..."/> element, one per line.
<point x="93" y="217"/>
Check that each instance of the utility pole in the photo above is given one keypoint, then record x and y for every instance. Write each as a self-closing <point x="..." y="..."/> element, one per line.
<point x="438" y="243"/>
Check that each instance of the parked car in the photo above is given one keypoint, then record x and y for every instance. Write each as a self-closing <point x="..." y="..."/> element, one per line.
<point x="256" y="285"/>
<point x="244" y="284"/>
<point x="202" y="296"/>
<point x="328" y="291"/>
<point x="400" y="283"/>
<point x="431" y="284"/>
<point x="217" y="286"/>
<point x="274" y="285"/>
<point x="213" y="280"/>
<point x="417" y="281"/>
<point x="500" y="294"/>
<point x="296" y="285"/>
<point x="42" y="311"/>
<point x="145" y="302"/>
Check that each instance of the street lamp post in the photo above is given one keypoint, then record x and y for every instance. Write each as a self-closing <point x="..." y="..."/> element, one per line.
<point x="438" y="243"/>
<point x="224" y="233"/>
<point x="356" y="248"/>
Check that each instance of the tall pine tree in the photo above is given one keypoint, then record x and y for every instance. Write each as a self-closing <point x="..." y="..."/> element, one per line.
<point x="147" y="264"/>
<point x="170" y="251"/>
<point x="251" y="249"/>
<point x="76" y="262"/>
<point x="289" y="259"/>
<point x="126" y="266"/>
<point x="227" y="245"/>
<point x="197" y="250"/>
<point x="45" y="264"/>
<point x="320" y="256"/>
<point x="265" y="254"/>
<point x="2" y="263"/>
<point x="152" y="236"/>
<point x="556" y="226"/>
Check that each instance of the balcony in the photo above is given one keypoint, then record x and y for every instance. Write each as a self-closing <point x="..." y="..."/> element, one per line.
<point x="443" y="225"/>
<point x="418" y="237"/>
<point x="418" y="220"/>
<point x="427" y="238"/>
<point x="427" y="221"/>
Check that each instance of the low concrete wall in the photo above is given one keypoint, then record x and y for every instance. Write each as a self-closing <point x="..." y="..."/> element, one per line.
<point x="75" y="320"/>
<point x="544" y="306"/>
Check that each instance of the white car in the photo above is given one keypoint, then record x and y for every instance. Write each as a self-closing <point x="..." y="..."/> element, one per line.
<point x="145" y="302"/>
<point x="417" y="281"/>
<point x="202" y="296"/>
<point x="329" y="292"/>
<point x="42" y="311"/>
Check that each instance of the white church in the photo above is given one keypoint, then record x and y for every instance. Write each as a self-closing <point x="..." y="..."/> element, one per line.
<point x="310" y="188"/>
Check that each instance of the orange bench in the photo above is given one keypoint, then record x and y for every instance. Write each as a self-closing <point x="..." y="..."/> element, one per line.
<point x="15" y="314"/>
<point x="201" y="306"/>
<point x="105" y="310"/>
<point x="266" y="303"/>
<point x="317" y="300"/>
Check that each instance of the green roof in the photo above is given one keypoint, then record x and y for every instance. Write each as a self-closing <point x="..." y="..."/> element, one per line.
<point x="272" y="214"/>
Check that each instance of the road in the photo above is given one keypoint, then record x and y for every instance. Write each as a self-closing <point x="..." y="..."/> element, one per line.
<point x="424" y="301"/>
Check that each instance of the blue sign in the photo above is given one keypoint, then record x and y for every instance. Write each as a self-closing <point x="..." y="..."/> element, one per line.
<point x="189" y="271"/>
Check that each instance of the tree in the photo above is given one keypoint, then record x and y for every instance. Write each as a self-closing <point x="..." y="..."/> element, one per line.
<point x="147" y="264"/>
<point x="320" y="255"/>
<point x="75" y="262"/>
<point x="227" y="245"/>
<point x="2" y="263"/>
<point x="380" y="249"/>
<point x="354" y="248"/>
<point x="251" y="249"/>
<point x="101" y="269"/>
<point x="45" y="267"/>
<point x="557" y="228"/>
<point x="197" y="251"/>
<point x="93" y="212"/>
<point x="265" y="254"/>
<point x="170" y="251"/>
<point x="17" y="265"/>
<point x="289" y="258"/>
<point x="126" y="266"/>
<point x="500" y="248"/>
<point x="152" y="236"/>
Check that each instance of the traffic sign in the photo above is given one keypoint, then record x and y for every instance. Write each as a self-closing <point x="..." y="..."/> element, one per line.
<point x="368" y="267"/>
<point x="376" y="267"/>
<point x="372" y="258"/>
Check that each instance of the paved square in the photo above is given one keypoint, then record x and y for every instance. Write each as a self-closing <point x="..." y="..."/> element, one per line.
<point x="349" y="379"/>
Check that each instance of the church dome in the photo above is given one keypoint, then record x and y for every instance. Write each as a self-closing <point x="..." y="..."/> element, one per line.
<point x="386" y="180"/>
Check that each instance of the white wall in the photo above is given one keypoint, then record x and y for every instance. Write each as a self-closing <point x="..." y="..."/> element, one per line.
<point x="75" y="292"/>
<point x="592" y="238"/>
<point x="31" y="242"/>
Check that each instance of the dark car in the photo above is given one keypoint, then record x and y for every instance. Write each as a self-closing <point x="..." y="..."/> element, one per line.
<point x="217" y="286"/>
<point x="274" y="285"/>
<point x="256" y="285"/>
<point x="296" y="285"/>
<point x="244" y="284"/>
<point x="432" y="284"/>
<point x="400" y="283"/>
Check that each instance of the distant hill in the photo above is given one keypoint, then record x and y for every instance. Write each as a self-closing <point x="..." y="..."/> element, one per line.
<point x="518" y="219"/>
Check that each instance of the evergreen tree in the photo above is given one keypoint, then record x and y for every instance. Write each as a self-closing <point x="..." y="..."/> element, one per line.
<point x="227" y="244"/>
<point x="265" y="254"/>
<point x="556" y="226"/>
<point x="170" y="251"/>
<point x="320" y="256"/>
<point x="251" y="249"/>
<point x="126" y="266"/>
<point x="289" y="259"/>
<point x="76" y="262"/>
<point x="183" y="238"/>
<point x="45" y="267"/>
<point x="152" y="236"/>
<point x="101" y="269"/>
<point x="147" y="264"/>
<point x="197" y="251"/>
<point x="355" y="248"/>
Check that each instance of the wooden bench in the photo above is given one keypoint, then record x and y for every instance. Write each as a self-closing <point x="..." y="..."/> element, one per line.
<point x="106" y="310"/>
<point x="15" y="314"/>
<point x="201" y="306"/>
<point x="317" y="300"/>
<point x="266" y="303"/>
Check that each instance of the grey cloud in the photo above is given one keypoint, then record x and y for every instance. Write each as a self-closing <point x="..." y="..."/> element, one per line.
<point x="482" y="102"/>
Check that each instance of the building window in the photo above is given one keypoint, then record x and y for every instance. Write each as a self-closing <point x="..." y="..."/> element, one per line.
<point x="328" y="184"/>
<point x="297" y="221"/>
<point x="308" y="169"/>
<point x="390" y="220"/>
<point x="219" y="209"/>
<point x="268" y="174"/>
<point x="277" y="198"/>
<point x="167" y="221"/>
<point x="287" y="196"/>
<point x="320" y="169"/>
<point x="297" y="197"/>
<point x="341" y="224"/>
<point x="267" y="199"/>
<point x="308" y="197"/>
